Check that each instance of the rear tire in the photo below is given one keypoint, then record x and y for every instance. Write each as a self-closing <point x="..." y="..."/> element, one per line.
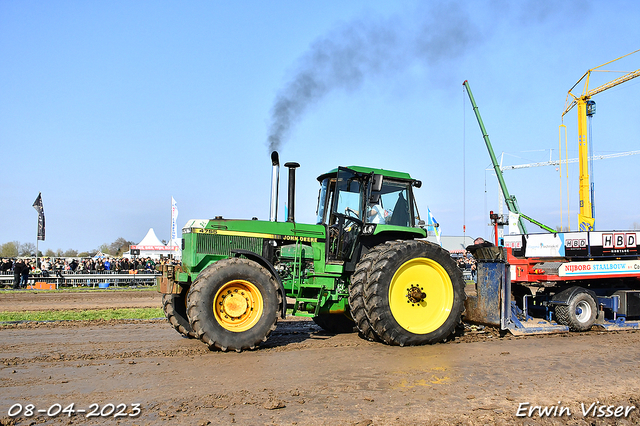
<point x="233" y="305"/>
<point x="356" y="295"/>
<point x="175" y="309"/>
<point x="335" y="323"/>
<point x="414" y="294"/>
<point x="580" y="314"/>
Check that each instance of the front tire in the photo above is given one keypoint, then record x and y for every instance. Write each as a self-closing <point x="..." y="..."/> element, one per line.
<point x="233" y="305"/>
<point x="414" y="294"/>
<point x="175" y="309"/>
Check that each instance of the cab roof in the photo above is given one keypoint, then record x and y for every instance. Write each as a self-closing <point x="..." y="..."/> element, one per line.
<point x="361" y="169"/>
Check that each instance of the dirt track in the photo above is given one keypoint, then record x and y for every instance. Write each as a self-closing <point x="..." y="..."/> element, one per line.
<point x="305" y="376"/>
<point x="16" y="301"/>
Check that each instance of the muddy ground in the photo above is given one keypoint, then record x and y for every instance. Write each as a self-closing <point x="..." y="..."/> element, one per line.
<point x="303" y="375"/>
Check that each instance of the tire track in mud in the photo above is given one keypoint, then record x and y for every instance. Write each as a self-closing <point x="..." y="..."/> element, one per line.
<point x="314" y="378"/>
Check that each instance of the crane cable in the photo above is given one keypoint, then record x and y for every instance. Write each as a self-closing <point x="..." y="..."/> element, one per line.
<point x="566" y="162"/>
<point x="464" y="197"/>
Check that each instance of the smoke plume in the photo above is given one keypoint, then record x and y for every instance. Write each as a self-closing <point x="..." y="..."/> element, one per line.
<point x="363" y="49"/>
<point x="433" y="35"/>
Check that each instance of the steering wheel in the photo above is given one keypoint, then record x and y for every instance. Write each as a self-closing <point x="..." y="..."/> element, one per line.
<point x="349" y="212"/>
<point x="349" y="218"/>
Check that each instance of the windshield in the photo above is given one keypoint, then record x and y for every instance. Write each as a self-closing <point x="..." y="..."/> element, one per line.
<point x="393" y="206"/>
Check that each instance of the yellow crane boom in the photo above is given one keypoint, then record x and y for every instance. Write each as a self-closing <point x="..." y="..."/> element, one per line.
<point x="586" y="107"/>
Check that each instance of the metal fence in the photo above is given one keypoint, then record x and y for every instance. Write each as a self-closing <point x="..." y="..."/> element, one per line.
<point x="102" y="279"/>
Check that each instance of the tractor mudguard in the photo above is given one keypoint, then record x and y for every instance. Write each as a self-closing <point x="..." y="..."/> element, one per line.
<point x="564" y="297"/>
<point x="265" y="263"/>
<point x="167" y="283"/>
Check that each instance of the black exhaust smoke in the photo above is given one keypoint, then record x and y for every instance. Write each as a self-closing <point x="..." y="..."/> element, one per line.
<point x="368" y="48"/>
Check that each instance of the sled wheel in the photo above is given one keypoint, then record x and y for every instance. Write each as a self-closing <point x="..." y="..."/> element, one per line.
<point x="414" y="294"/>
<point x="175" y="309"/>
<point x="233" y="305"/>
<point x="579" y="314"/>
<point x="335" y="323"/>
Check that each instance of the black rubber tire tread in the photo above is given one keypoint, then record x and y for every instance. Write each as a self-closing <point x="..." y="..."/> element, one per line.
<point x="376" y="292"/>
<point x="203" y="291"/>
<point x="562" y="315"/>
<point x="357" y="306"/>
<point x="175" y="309"/>
<point x="335" y="323"/>
<point x="566" y="314"/>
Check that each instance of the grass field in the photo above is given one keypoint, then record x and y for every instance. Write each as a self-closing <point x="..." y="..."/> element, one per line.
<point x="85" y="315"/>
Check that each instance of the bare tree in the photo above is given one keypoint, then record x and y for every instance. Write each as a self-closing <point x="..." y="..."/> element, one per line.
<point x="27" y="249"/>
<point x="119" y="246"/>
<point x="70" y="253"/>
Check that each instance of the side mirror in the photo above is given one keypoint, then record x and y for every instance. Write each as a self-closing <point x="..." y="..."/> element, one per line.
<point x="376" y="183"/>
<point x="376" y="186"/>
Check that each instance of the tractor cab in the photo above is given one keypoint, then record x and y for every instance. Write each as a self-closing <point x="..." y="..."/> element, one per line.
<point x="358" y="205"/>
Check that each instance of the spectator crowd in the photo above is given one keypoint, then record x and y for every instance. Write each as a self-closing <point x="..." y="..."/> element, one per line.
<point x="58" y="267"/>
<point x="466" y="262"/>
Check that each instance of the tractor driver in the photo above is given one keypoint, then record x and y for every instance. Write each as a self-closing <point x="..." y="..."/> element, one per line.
<point x="375" y="213"/>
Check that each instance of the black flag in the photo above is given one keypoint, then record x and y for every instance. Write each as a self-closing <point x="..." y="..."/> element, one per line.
<point x="38" y="206"/>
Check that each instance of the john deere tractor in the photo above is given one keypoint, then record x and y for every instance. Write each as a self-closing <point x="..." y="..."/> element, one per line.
<point x="365" y="263"/>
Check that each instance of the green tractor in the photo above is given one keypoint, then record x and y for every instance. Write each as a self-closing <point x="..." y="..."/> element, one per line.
<point x="365" y="264"/>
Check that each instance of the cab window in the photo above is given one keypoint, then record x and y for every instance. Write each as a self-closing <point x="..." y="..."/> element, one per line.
<point x="393" y="207"/>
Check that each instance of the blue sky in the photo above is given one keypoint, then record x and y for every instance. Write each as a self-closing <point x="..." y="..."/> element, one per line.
<point x="111" y="108"/>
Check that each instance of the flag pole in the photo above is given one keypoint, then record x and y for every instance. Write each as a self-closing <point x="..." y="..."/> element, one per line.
<point x="39" y="208"/>
<point x="171" y="227"/>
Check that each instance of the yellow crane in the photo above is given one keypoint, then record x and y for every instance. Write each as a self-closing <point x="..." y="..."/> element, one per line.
<point x="586" y="107"/>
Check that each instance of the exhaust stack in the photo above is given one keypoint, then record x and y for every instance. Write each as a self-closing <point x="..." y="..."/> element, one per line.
<point x="292" y="191"/>
<point x="275" y="183"/>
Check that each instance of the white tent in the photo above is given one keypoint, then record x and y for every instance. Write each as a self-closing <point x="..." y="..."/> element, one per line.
<point x="150" y="239"/>
<point x="152" y="247"/>
<point x="99" y="255"/>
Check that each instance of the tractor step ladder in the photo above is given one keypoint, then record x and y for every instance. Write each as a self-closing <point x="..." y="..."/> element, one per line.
<point x="317" y="301"/>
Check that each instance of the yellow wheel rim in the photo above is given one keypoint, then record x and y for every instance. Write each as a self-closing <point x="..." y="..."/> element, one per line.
<point x="421" y="295"/>
<point x="238" y="305"/>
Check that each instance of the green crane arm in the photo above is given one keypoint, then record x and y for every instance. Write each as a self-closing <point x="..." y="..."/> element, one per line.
<point x="510" y="200"/>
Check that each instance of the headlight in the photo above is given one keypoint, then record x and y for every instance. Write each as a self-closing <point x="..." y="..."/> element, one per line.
<point x="368" y="229"/>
